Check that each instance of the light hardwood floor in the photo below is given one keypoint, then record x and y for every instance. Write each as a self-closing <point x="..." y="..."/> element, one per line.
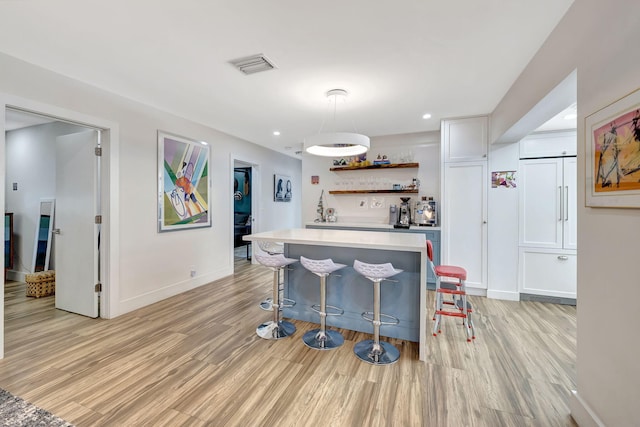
<point x="195" y="360"/>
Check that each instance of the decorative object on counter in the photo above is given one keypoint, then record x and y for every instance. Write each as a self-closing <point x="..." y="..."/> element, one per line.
<point x="331" y="215"/>
<point x="404" y="214"/>
<point x="184" y="183"/>
<point x="282" y="188"/>
<point x="323" y="338"/>
<point x="613" y="166"/>
<point x="336" y="144"/>
<point x="374" y="351"/>
<point x="320" y="208"/>
<point x="425" y="212"/>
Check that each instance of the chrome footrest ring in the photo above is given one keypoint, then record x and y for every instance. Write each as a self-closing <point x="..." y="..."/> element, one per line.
<point x="338" y="311"/>
<point x="368" y="315"/>
<point x="267" y="304"/>
<point x="286" y="303"/>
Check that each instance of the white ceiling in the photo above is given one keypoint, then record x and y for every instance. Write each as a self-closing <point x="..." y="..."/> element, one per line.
<point x="398" y="60"/>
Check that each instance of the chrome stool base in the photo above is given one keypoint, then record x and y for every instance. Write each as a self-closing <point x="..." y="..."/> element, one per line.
<point x="386" y="355"/>
<point x="274" y="331"/>
<point x="315" y="339"/>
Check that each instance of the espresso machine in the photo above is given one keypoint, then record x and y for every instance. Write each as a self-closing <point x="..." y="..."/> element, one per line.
<point x="404" y="214"/>
<point x="425" y="212"/>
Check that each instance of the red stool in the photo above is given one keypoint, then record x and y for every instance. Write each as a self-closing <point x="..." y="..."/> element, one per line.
<point x="454" y="285"/>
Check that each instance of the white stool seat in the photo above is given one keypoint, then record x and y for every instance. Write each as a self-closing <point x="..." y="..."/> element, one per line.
<point x="320" y="266"/>
<point x="271" y="247"/>
<point x="375" y="272"/>
<point x="274" y="261"/>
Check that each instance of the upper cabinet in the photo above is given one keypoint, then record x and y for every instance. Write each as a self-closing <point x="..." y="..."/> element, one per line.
<point x="465" y="140"/>
<point x="548" y="144"/>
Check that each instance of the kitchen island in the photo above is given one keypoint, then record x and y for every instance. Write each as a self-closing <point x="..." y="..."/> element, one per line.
<point x="404" y="297"/>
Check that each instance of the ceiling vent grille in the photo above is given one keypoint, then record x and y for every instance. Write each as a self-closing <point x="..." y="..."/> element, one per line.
<point x="253" y="64"/>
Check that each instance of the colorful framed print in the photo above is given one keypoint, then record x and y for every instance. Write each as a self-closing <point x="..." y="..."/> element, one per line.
<point x="612" y="136"/>
<point x="184" y="183"/>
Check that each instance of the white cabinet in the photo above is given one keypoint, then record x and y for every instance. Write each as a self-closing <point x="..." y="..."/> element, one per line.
<point x="464" y="213"/>
<point x="548" y="229"/>
<point x="548" y="203"/>
<point x="548" y="144"/>
<point x="547" y="272"/>
<point x="464" y="140"/>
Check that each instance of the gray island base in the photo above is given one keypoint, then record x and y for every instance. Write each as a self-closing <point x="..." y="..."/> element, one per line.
<point x="404" y="296"/>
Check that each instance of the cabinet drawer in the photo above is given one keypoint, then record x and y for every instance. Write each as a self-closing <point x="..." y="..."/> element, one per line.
<point x="547" y="272"/>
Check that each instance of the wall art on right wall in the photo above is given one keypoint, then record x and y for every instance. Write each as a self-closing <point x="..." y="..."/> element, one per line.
<point x="612" y="136"/>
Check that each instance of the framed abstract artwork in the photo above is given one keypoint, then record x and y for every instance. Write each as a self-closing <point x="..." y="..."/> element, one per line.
<point x="184" y="183"/>
<point x="612" y="136"/>
<point x="282" y="188"/>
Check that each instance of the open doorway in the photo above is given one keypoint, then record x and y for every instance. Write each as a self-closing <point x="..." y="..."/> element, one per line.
<point x="53" y="162"/>
<point x="242" y="210"/>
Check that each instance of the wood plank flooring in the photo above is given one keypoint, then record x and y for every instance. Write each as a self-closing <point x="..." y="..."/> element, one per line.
<point x="195" y="360"/>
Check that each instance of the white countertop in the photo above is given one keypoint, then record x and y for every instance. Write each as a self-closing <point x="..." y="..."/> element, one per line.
<point x="378" y="225"/>
<point x="411" y="242"/>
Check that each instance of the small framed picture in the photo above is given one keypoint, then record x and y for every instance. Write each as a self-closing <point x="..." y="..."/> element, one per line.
<point x="282" y="188"/>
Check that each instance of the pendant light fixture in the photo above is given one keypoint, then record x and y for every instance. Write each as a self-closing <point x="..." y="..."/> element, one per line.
<point x="336" y="144"/>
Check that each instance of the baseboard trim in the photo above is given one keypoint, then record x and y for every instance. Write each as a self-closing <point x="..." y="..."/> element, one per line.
<point x="18" y="276"/>
<point x="480" y="292"/>
<point x="168" y="291"/>
<point x="582" y="414"/>
<point x="503" y="295"/>
<point x="547" y="299"/>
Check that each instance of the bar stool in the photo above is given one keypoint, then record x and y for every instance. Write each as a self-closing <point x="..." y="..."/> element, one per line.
<point x="277" y="328"/>
<point x="323" y="338"/>
<point x="458" y="306"/>
<point x="374" y="351"/>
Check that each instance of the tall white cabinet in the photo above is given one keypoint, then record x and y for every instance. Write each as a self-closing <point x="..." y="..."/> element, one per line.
<point x="464" y="197"/>
<point x="547" y="225"/>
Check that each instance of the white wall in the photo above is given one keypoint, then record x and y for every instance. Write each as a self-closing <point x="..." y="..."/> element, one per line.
<point x="155" y="265"/>
<point x="30" y="162"/>
<point x="502" y="237"/>
<point x="600" y="40"/>
<point x="425" y="148"/>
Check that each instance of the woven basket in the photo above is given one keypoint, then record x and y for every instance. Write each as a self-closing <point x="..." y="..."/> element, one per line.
<point x="41" y="284"/>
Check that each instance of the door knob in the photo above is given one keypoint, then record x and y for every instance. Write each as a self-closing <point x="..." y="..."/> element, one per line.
<point x="55" y="231"/>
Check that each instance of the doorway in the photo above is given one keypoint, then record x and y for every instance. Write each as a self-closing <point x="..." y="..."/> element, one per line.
<point x="245" y="197"/>
<point x="65" y="156"/>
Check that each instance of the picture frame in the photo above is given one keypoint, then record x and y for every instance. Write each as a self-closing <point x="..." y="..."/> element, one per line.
<point x="282" y="188"/>
<point x="612" y="137"/>
<point x="184" y="183"/>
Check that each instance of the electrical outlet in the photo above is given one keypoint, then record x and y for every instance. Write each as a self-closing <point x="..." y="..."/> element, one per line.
<point x="193" y="271"/>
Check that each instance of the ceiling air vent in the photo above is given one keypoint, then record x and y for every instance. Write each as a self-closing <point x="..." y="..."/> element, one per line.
<point x="253" y="64"/>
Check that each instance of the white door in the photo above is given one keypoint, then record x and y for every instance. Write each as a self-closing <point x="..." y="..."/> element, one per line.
<point x="570" y="176"/>
<point x="75" y="245"/>
<point x="465" y="139"/>
<point x="464" y="220"/>
<point x="541" y="203"/>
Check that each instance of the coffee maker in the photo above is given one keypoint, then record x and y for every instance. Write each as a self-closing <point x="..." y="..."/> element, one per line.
<point x="425" y="212"/>
<point x="404" y="214"/>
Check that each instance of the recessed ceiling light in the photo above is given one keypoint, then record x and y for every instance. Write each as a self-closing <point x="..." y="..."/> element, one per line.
<point x="426" y="116"/>
<point x="276" y="132"/>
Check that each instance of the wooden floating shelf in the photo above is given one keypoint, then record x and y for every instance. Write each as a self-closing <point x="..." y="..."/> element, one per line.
<point x="389" y="166"/>
<point x="372" y="191"/>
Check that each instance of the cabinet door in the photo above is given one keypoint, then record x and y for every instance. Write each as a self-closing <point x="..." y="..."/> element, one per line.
<point x="541" y="203"/>
<point x="548" y="144"/>
<point x="465" y="139"/>
<point x="570" y="229"/>
<point x="464" y="230"/>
